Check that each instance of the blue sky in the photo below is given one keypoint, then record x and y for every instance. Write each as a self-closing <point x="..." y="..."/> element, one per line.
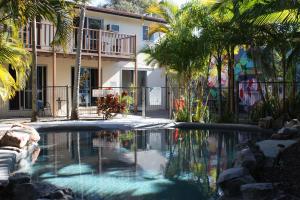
<point x="97" y="2"/>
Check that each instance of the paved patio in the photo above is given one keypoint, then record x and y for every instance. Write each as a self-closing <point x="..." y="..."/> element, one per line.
<point x="120" y="121"/>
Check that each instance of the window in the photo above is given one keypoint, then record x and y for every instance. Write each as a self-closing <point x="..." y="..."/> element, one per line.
<point x="90" y="37"/>
<point x="146" y="34"/>
<point x="23" y="99"/>
<point x="88" y="82"/>
<point x="112" y="27"/>
<point x="115" y="28"/>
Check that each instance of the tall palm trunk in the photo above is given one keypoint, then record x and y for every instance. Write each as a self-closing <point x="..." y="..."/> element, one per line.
<point x="230" y="95"/>
<point x="232" y="80"/>
<point x="34" y="72"/>
<point x="283" y="64"/>
<point x="259" y="87"/>
<point x="75" y="101"/>
<point x="220" y="98"/>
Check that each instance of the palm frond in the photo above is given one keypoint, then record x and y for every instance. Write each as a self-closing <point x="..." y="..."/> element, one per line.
<point x="12" y="53"/>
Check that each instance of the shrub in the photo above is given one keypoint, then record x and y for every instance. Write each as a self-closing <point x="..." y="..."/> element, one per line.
<point x="182" y="115"/>
<point x="111" y="104"/>
<point x="271" y="107"/>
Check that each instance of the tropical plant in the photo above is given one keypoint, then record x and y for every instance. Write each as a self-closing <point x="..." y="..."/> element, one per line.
<point x="22" y="12"/>
<point x="110" y="105"/>
<point x="182" y="115"/>
<point x="136" y="6"/>
<point x="180" y="50"/>
<point x="75" y="100"/>
<point x="14" y="55"/>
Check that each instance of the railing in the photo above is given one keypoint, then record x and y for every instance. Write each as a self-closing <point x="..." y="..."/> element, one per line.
<point x="45" y="36"/>
<point x="112" y="44"/>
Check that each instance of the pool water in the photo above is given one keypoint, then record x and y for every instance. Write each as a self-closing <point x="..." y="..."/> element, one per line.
<point x="156" y="164"/>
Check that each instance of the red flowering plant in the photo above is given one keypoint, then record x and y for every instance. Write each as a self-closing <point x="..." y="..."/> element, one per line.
<point x="112" y="104"/>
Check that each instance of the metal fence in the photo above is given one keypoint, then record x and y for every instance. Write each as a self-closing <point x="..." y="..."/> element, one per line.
<point x="154" y="101"/>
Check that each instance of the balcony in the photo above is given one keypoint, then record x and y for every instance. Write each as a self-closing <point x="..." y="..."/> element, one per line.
<point x="112" y="44"/>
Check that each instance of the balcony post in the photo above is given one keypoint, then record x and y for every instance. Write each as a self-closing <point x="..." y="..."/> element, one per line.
<point x="135" y="78"/>
<point x="100" y="59"/>
<point x="54" y="83"/>
<point x="53" y="74"/>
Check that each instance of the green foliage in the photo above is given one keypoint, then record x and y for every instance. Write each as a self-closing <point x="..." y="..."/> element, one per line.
<point x="14" y="14"/>
<point x="111" y="105"/>
<point x="126" y="136"/>
<point x="272" y="107"/>
<point x="133" y="6"/>
<point x="182" y="115"/>
<point x="202" y="112"/>
<point x="228" y="117"/>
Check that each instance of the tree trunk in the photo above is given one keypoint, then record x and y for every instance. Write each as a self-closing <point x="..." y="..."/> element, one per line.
<point x="75" y="101"/>
<point x="229" y="86"/>
<point x="232" y="80"/>
<point x="230" y="95"/>
<point x="283" y="64"/>
<point x="219" y="67"/>
<point x="34" y="72"/>
<point x="254" y="57"/>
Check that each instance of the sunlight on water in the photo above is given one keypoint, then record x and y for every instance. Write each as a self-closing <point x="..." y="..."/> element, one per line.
<point x="157" y="164"/>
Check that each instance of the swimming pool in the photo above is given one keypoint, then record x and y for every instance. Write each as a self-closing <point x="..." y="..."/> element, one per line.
<point x="151" y="164"/>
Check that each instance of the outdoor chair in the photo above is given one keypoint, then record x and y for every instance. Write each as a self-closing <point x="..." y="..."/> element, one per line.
<point x="44" y="108"/>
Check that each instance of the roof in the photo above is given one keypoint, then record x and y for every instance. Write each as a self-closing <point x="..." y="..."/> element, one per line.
<point x="125" y="14"/>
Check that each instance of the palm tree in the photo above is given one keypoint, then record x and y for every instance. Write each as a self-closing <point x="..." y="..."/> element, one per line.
<point x="75" y="101"/>
<point x="12" y="53"/>
<point x="180" y="50"/>
<point x="57" y="11"/>
<point x="167" y="11"/>
<point x="278" y="18"/>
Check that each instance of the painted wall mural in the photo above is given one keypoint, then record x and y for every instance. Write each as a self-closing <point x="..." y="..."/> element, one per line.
<point x="243" y="72"/>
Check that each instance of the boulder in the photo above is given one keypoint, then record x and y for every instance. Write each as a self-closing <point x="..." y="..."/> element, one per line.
<point x="278" y="123"/>
<point x="286" y="133"/>
<point x="25" y="191"/>
<point x="41" y="190"/>
<point x="58" y="194"/>
<point x="271" y="148"/>
<point x="34" y="136"/>
<point x="292" y="123"/>
<point x="245" y="158"/>
<point x="19" y="178"/>
<point x="265" y="122"/>
<point x="257" y="191"/>
<point x="14" y="139"/>
<point x="230" y="180"/>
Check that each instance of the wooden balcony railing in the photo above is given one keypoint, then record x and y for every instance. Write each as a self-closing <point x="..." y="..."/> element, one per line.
<point x="112" y="44"/>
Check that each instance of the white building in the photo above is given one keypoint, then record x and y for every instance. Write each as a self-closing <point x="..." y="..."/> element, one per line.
<point x="120" y="36"/>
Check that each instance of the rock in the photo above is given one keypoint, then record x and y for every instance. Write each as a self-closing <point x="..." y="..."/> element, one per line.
<point x="265" y="122"/>
<point x="45" y="189"/>
<point x="292" y="123"/>
<point x="287" y="130"/>
<point x="34" y="136"/>
<point x="58" y="194"/>
<point x="25" y="191"/>
<point x="245" y="158"/>
<point x="286" y="133"/>
<point x="67" y="191"/>
<point x="14" y="139"/>
<point x="230" y="180"/>
<point x="19" y="178"/>
<point x="271" y="149"/>
<point x="257" y="191"/>
<point x="278" y="123"/>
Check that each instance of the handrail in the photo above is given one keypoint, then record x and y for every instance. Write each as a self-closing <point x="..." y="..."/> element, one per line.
<point x="112" y="43"/>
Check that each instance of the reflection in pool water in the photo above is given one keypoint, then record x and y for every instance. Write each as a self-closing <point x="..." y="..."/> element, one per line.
<point x="156" y="164"/>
